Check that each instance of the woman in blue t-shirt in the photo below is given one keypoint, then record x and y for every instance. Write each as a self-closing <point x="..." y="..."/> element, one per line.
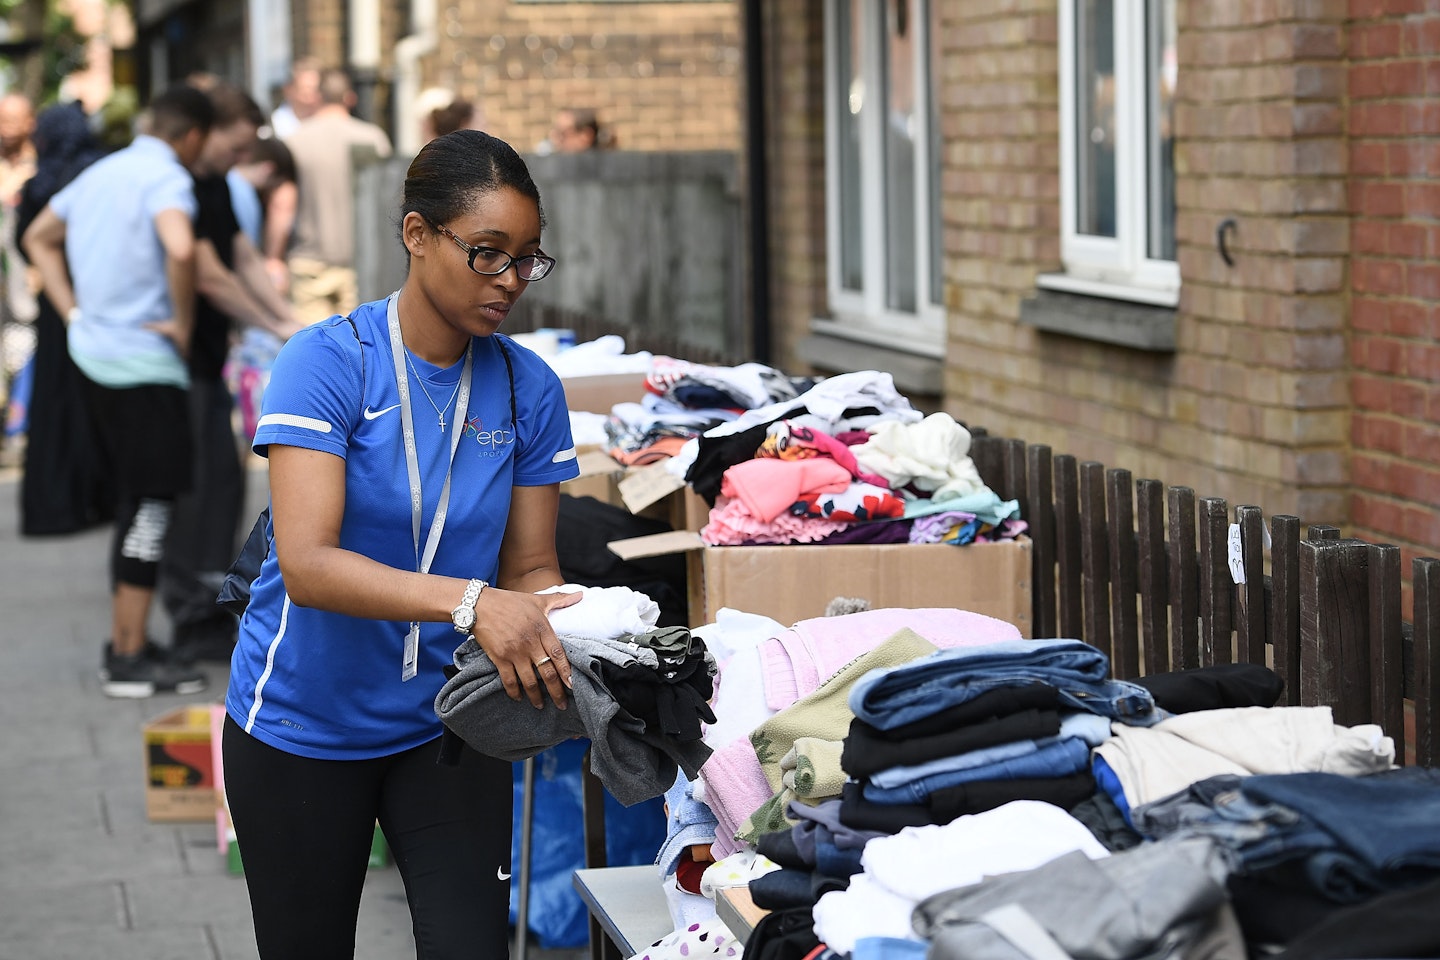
<point x="415" y="457"/>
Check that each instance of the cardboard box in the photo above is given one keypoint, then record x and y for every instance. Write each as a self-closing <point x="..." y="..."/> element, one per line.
<point x="599" y="477"/>
<point x="648" y="491"/>
<point x="653" y="491"/>
<point x="179" y="767"/>
<point x="599" y="393"/>
<point x="795" y="582"/>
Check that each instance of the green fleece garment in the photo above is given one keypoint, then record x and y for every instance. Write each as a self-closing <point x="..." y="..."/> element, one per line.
<point x="812" y="768"/>
<point x="812" y="775"/>
<point x="821" y="716"/>
<point x="825" y="714"/>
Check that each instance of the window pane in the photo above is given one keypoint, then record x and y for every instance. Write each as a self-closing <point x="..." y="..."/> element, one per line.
<point x="902" y="267"/>
<point x="1161" y="69"/>
<point x="937" y="229"/>
<point x="1095" y="117"/>
<point x="851" y="90"/>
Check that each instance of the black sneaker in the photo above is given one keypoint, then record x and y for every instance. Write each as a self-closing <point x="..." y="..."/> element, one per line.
<point x="144" y="674"/>
<point x="152" y="650"/>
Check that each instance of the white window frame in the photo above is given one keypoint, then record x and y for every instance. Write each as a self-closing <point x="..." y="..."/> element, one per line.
<point x="1118" y="266"/>
<point x="864" y="315"/>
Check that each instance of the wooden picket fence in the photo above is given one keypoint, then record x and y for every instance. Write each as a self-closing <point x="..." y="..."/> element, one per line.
<point x="1143" y="571"/>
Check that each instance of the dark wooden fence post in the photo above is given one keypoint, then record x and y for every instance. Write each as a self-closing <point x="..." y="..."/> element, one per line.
<point x="1154" y="575"/>
<point x="1334" y="619"/>
<point x="1124" y="628"/>
<point x="1216" y="587"/>
<point x="1184" y="588"/>
<point x="1094" y="551"/>
<point x="1067" y="546"/>
<point x="1013" y="456"/>
<point x="1041" y="498"/>
<point x="1425" y="577"/>
<point x="1250" y="625"/>
<point x="1285" y="602"/>
<point x="1387" y="667"/>
<point x="985" y="454"/>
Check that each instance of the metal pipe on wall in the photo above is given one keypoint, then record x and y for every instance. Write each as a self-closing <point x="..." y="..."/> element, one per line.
<point x="757" y="176"/>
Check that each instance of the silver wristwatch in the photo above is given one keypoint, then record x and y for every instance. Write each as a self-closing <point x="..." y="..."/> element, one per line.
<point x="463" y="616"/>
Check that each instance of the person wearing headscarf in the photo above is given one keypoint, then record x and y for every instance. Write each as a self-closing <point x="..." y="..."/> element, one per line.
<point x="64" y="487"/>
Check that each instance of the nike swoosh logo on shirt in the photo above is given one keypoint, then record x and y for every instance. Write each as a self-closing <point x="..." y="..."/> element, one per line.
<point x="372" y="414"/>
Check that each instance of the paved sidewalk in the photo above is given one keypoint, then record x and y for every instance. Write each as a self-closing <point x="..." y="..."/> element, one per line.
<point x="83" y="873"/>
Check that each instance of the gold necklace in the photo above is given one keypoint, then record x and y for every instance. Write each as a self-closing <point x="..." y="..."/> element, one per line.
<point x="439" y="411"/>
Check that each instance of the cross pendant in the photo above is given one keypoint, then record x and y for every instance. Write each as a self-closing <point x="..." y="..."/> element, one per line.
<point x="442" y="423"/>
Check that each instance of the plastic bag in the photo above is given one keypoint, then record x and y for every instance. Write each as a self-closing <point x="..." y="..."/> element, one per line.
<point x="557" y="915"/>
<point x="235" y="589"/>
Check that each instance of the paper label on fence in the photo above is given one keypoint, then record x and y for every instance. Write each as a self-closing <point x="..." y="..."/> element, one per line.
<point x="1236" y="554"/>
<point x="647" y="485"/>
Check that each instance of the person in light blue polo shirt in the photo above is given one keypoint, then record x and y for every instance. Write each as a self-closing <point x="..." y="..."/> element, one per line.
<point x="115" y="250"/>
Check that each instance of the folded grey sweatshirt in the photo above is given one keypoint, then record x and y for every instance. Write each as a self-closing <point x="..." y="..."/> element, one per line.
<point x="632" y="762"/>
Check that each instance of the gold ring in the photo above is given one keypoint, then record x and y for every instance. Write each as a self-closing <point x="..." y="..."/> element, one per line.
<point x="542" y="660"/>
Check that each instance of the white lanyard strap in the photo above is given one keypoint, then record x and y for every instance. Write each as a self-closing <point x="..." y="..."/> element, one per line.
<point x="412" y="465"/>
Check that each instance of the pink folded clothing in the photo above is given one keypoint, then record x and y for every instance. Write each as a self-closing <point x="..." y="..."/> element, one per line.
<point x="735" y="787"/>
<point x="731" y="525"/>
<point x="769" y="487"/>
<point x="792" y="441"/>
<point x="801" y="658"/>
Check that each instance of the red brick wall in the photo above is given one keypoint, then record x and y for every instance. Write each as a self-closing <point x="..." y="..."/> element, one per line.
<point x="1394" y="79"/>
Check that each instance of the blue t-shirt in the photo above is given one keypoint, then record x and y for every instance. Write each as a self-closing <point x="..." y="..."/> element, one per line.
<point x="326" y="685"/>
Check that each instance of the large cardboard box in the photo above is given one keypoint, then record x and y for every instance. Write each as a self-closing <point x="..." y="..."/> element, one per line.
<point x="599" y="474"/>
<point x="597" y="394"/>
<point x="796" y="582"/>
<point x="648" y="491"/>
<point x="179" y="769"/>
<point x="599" y="477"/>
<point x="653" y="491"/>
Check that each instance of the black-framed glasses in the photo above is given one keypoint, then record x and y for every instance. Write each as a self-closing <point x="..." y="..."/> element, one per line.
<point x="489" y="262"/>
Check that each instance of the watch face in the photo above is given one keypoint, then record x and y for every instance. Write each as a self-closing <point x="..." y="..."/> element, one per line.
<point x="463" y="617"/>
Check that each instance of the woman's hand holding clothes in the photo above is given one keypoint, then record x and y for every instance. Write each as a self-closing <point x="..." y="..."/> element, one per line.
<point x="513" y="628"/>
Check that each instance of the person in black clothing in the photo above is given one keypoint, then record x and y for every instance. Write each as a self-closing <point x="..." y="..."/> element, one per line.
<point x="64" y="487"/>
<point x="232" y="287"/>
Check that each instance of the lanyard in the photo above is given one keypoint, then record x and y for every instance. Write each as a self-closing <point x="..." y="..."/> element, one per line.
<point x="410" y="663"/>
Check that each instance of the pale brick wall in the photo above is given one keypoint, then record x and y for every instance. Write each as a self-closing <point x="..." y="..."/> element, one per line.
<point x="1252" y="405"/>
<point x="319" y="30"/>
<point x="1307" y="377"/>
<point x="1394" y="77"/>
<point x="662" y="76"/>
<point x="795" y="150"/>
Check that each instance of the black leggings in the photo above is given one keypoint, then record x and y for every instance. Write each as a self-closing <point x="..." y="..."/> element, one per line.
<point x="305" y="826"/>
